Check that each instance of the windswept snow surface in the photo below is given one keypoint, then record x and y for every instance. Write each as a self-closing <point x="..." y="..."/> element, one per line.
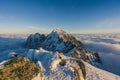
<point x="61" y="73"/>
<point x="93" y="73"/>
<point x="108" y="47"/>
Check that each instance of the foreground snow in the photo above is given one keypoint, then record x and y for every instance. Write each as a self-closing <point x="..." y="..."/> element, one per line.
<point x="48" y="62"/>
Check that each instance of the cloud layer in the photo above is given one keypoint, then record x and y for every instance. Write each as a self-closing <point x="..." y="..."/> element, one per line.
<point x="108" y="47"/>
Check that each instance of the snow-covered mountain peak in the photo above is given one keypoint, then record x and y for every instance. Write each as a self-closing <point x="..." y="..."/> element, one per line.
<point x="59" y="33"/>
<point x="60" y="41"/>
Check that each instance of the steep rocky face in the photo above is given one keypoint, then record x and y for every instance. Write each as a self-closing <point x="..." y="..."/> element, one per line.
<point x="59" y="40"/>
<point x="20" y="68"/>
<point x="90" y="57"/>
<point x="34" y="41"/>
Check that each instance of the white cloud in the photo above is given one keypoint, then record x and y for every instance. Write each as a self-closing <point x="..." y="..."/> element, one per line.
<point x="103" y="47"/>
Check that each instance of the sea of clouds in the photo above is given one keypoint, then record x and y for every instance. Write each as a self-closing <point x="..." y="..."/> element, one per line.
<point x="108" y="47"/>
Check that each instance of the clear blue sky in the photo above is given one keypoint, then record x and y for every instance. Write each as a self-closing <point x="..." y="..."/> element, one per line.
<point x="75" y="16"/>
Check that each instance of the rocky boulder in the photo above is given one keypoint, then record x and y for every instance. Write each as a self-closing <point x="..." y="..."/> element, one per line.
<point x="20" y="68"/>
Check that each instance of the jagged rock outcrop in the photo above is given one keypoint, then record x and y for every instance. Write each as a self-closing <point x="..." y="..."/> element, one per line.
<point x="76" y="64"/>
<point x="34" y="41"/>
<point x="20" y="68"/>
<point x="59" y="40"/>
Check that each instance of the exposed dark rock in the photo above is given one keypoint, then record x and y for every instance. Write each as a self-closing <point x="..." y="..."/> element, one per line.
<point x="34" y="41"/>
<point x="97" y="57"/>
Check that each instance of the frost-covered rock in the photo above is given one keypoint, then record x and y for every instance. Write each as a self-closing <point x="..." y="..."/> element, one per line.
<point x="41" y="66"/>
<point x="12" y="55"/>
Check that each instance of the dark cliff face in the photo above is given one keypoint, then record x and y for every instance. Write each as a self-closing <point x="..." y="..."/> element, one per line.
<point x="59" y="40"/>
<point x="34" y="41"/>
<point x="19" y="68"/>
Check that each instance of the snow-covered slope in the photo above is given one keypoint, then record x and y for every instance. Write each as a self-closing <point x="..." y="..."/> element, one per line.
<point x="93" y="73"/>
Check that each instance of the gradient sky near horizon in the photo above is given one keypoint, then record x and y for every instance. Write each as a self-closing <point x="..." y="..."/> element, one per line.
<point x="75" y="16"/>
